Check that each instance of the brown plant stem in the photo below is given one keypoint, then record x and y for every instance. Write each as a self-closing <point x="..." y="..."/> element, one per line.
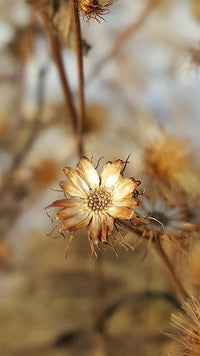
<point x="161" y="253"/>
<point x="126" y="34"/>
<point x="99" y="305"/>
<point x="170" y="270"/>
<point x="79" y="57"/>
<point x="56" y="52"/>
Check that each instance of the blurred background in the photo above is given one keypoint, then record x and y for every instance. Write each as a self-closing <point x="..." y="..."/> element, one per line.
<point x="142" y="85"/>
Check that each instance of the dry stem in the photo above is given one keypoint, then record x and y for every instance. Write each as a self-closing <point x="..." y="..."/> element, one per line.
<point x="124" y="36"/>
<point x="79" y="56"/>
<point x="55" y="48"/>
<point x="170" y="270"/>
<point x="161" y="253"/>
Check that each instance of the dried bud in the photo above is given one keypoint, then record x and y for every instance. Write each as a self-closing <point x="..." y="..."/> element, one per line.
<point x="94" y="8"/>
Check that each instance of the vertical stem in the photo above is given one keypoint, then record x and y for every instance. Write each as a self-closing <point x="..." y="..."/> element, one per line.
<point x="79" y="56"/>
<point x="55" y="48"/>
<point x="99" y="299"/>
<point x="170" y="270"/>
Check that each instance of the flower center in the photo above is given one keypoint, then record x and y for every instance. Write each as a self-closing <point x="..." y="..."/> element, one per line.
<point x="99" y="199"/>
<point x="162" y="218"/>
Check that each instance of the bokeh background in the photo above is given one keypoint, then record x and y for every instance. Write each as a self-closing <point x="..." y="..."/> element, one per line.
<point x="113" y="306"/>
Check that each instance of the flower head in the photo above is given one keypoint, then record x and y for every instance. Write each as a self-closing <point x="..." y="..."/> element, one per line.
<point x="161" y="217"/>
<point x="94" y="8"/>
<point x="168" y="160"/>
<point x="187" y="325"/>
<point x="94" y="202"/>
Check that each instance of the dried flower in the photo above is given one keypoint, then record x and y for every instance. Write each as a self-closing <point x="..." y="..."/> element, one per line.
<point x="169" y="160"/>
<point x="161" y="217"/>
<point x="188" y="326"/>
<point x="94" y="202"/>
<point x="94" y="8"/>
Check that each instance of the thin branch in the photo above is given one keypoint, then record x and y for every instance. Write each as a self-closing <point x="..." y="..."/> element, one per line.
<point x="56" y="52"/>
<point x="170" y="270"/>
<point x="99" y="305"/>
<point x="79" y="56"/>
<point x="138" y="298"/>
<point x="36" y="123"/>
<point x="161" y="253"/>
<point x="124" y="36"/>
<point x="34" y="131"/>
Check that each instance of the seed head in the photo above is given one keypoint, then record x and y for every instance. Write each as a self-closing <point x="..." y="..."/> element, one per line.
<point x="94" y="8"/>
<point x="94" y="202"/>
<point x="187" y="328"/>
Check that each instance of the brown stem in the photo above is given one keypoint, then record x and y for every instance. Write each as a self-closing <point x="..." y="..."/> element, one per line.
<point x="161" y="253"/>
<point x="56" y="52"/>
<point x="79" y="56"/>
<point x="131" y="29"/>
<point x="170" y="270"/>
<point x="99" y="305"/>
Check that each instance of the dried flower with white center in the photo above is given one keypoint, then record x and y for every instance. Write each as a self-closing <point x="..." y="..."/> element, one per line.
<point x="187" y="328"/>
<point x="161" y="217"/>
<point x="94" y="8"/>
<point x="94" y="202"/>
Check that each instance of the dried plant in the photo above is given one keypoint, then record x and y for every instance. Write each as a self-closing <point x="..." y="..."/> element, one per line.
<point x="187" y="328"/>
<point x="95" y="202"/>
<point x="94" y="8"/>
<point x="134" y="68"/>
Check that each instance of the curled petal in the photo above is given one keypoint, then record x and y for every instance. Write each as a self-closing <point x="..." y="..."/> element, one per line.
<point x="65" y="203"/>
<point x="100" y="227"/>
<point x="111" y="173"/>
<point x="129" y="201"/>
<point x="65" y="213"/>
<point x="125" y="187"/>
<point x="72" y="190"/>
<point x="106" y="228"/>
<point x="76" y="179"/>
<point x="95" y="228"/>
<point x="88" y="172"/>
<point x="121" y="212"/>
<point x="76" y="222"/>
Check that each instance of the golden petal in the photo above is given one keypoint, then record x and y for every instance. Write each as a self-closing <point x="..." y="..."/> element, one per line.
<point x="66" y="202"/>
<point x="65" y="213"/>
<point x="121" y="212"/>
<point x="100" y="227"/>
<point x="111" y="173"/>
<point x="110" y="222"/>
<point x="95" y="228"/>
<point x="104" y="230"/>
<point x="76" y="222"/>
<point x="76" y="179"/>
<point x="106" y="227"/>
<point x="88" y="172"/>
<point x="125" y="187"/>
<point x="128" y="201"/>
<point x="72" y="190"/>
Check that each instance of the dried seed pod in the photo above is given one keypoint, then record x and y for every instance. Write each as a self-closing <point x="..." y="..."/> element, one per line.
<point x="94" y="8"/>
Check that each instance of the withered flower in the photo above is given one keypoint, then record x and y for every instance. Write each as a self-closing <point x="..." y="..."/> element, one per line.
<point x="94" y="8"/>
<point x="169" y="160"/>
<point x="187" y="328"/>
<point x="161" y="217"/>
<point x="94" y="202"/>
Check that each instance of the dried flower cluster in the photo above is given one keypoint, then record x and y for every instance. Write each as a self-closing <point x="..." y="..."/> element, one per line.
<point x="187" y="324"/>
<point x="94" y="8"/>
<point x="94" y="202"/>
